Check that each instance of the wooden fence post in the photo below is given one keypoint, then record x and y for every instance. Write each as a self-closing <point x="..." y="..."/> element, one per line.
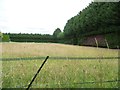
<point x="96" y="42"/>
<point x="107" y="44"/>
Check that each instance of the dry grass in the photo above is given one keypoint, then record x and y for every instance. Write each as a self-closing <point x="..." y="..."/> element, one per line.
<point x="58" y="73"/>
<point x="44" y="49"/>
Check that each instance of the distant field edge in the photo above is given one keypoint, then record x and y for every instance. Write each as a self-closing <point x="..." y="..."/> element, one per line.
<point x="91" y="46"/>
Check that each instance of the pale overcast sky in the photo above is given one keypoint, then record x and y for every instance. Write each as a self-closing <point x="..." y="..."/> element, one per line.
<point x="37" y="16"/>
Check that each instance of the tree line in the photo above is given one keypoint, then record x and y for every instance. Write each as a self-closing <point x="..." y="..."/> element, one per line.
<point x="98" y="18"/>
<point x="25" y="37"/>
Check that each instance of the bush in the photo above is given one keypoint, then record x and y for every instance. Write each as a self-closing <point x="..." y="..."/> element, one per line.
<point x="113" y="40"/>
<point x="5" y="38"/>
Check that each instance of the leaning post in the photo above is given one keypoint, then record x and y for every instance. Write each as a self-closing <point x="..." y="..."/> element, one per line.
<point x="37" y="73"/>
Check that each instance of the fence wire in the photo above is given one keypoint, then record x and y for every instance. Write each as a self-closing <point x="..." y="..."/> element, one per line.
<point x="66" y="58"/>
<point x="90" y="82"/>
<point x="59" y="58"/>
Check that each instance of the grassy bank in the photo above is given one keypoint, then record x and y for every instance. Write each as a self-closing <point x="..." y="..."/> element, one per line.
<point x="58" y="73"/>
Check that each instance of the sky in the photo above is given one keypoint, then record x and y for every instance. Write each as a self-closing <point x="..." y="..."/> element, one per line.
<point x="37" y="16"/>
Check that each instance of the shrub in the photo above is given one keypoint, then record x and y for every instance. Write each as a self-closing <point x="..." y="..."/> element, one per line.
<point x="5" y="38"/>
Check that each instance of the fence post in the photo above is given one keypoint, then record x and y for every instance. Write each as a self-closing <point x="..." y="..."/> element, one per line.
<point x="107" y="43"/>
<point x="96" y="42"/>
<point x="37" y="73"/>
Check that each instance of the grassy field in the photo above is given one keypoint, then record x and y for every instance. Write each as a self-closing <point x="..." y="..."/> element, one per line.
<point x="58" y="73"/>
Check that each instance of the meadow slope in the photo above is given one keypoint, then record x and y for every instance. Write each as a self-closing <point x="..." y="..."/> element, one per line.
<point x="44" y="49"/>
<point x="58" y="73"/>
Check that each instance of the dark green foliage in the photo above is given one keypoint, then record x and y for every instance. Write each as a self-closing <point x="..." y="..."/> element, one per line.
<point x="56" y="32"/>
<point x="99" y="18"/>
<point x="30" y="37"/>
<point x="5" y="38"/>
<point x="60" y="35"/>
<point x="14" y="37"/>
<point x="1" y="36"/>
<point x="112" y="39"/>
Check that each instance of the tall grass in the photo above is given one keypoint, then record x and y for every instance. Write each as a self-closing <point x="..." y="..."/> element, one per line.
<point x="58" y="73"/>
